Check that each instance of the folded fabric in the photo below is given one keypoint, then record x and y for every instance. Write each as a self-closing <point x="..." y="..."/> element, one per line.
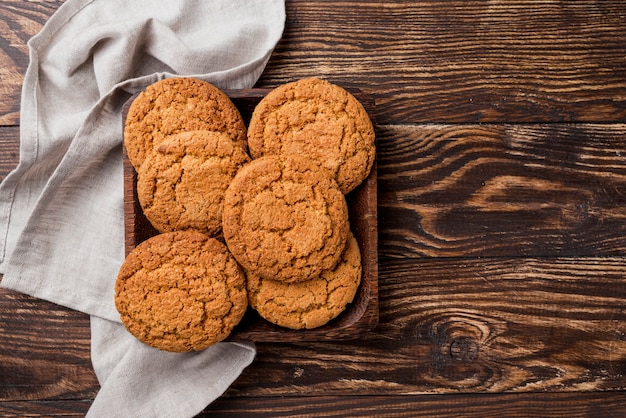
<point x="61" y="209"/>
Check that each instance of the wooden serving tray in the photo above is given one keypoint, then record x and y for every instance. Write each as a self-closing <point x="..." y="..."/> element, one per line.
<point x="360" y="316"/>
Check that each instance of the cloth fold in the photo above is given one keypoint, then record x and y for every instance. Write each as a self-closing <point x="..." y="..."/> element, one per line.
<point x="61" y="209"/>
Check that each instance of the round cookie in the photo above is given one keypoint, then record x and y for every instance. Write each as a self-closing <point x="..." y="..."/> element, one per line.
<point x="174" y="105"/>
<point x="180" y="291"/>
<point x="285" y="218"/>
<point x="182" y="182"/>
<point x="312" y="303"/>
<point x="320" y="120"/>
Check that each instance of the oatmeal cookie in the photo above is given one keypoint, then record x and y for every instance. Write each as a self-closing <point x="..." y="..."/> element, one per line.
<point x="285" y="219"/>
<point x="312" y="303"/>
<point x="180" y="291"/>
<point x="319" y="120"/>
<point x="182" y="182"/>
<point x="174" y="105"/>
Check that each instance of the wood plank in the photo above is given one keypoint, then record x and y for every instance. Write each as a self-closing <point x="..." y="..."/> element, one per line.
<point x="19" y="21"/>
<point x="21" y="409"/>
<point x="468" y="325"/>
<point x="502" y="190"/>
<point x="44" y="352"/>
<point x="563" y="405"/>
<point x="520" y="61"/>
<point x="566" y="405"/>
<point x="464" y="62"/>
<point x="9" y="149"/>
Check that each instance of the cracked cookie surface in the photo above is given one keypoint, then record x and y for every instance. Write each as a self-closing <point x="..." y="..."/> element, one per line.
<point x="174" y="105"/>
<point x="285" y="219"/>
<point x="320" y="120"/>
<point x="312" y="303"/>
<point x="182" y="182"/>
<point x="180" y="291"/>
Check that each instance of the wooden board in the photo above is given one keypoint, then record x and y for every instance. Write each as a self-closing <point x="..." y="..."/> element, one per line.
<point x="360" y="316"/>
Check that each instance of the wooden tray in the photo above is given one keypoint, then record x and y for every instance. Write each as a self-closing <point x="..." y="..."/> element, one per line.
<point x="360" y="316"/>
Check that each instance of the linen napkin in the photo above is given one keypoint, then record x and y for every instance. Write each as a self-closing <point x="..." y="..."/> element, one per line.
<point x="61" y="209"/>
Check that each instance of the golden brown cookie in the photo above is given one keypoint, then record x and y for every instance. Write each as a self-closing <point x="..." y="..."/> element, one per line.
<point x="182" y="182"/>
<point x="174" y="105"/>
<point x="312" y="303"/>
<point x="320" y="120"/>
<point x="285" y="218"/>
<point x="180" y="291"/>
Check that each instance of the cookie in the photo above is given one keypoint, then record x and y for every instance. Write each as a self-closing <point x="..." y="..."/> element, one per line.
<point x="174" y="105"/>
<point x="320" y="120"/>
<point x="180" y="291"/>
<point x="285" y="219"/>
<point x="312" y="303"/>
<point x="182" y="182"/>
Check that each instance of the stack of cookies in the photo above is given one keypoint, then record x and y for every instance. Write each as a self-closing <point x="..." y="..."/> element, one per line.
<point x="253" y="215"/>
<point x="182" y="290"/>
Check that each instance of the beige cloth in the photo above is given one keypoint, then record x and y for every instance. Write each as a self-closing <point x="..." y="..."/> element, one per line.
<point x="61" y="209"/>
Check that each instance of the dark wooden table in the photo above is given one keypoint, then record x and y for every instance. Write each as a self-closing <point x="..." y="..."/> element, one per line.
<point x="501" y="131"/>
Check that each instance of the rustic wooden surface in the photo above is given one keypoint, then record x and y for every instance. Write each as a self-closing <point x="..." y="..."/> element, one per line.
<point x="502" y="218"/>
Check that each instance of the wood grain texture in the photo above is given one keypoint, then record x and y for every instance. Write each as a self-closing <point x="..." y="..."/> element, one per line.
<point x="44" y="352"/>
<point x="464" y="61"/>
<point x="21" y="409"/>
<point x="502" y="190"/>
<point x="447" y="326"/>
<point x="557" y="405"/>
<point x="468" y="326"/>
<point x="9" y="149"/>
<point x="561" y="405"/>
<point x="19" y="21"/>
